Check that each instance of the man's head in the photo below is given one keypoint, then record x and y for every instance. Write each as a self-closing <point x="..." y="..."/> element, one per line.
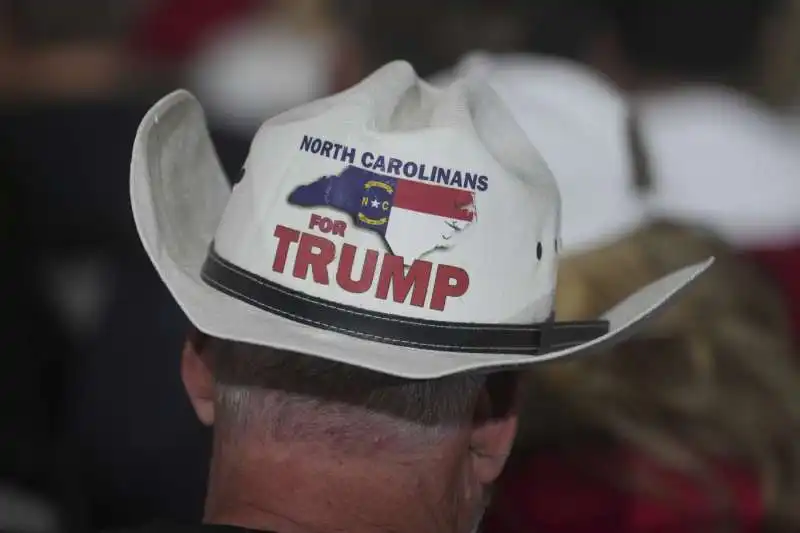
<point x="306" y="424"/>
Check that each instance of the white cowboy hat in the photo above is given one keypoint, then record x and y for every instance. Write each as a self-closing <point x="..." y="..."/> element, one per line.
<point x="397" y="227"/>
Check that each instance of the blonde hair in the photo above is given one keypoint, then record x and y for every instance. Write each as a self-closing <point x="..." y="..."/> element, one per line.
<point x="713" y="378"/>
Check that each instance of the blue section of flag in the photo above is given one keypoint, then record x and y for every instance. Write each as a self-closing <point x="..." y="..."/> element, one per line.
<point x="366" y="196"/>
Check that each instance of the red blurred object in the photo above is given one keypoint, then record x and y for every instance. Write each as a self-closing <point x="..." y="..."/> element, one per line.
<point x="555" y="494"/>
<point x="783" y="264"/>
<point x="175" y="29"/>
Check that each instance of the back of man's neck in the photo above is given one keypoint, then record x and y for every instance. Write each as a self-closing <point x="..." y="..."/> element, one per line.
<point x="317" y="496"/>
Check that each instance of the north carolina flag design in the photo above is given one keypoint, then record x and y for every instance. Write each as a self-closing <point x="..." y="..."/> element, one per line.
<point x="413" y="217"/>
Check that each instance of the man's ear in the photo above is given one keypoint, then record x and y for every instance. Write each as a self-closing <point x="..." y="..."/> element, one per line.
<point x="495" y="426"/>
<point x="199" y="382"/>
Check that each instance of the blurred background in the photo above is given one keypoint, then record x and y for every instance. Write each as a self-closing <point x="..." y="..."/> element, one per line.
<point x="95" y="430"/>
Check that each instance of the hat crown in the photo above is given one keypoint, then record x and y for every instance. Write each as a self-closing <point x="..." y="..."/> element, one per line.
<point x="581" y="124"/>
<point x="400" y="198"/>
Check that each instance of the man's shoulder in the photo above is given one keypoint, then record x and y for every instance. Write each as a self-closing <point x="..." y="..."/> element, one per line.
<point x="185" y="528"/>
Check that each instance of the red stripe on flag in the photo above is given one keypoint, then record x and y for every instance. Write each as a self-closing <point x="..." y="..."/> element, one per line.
<point x="445" y="202"/>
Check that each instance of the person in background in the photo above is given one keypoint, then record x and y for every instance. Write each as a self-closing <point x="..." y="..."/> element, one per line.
<point x="694" y="425"/>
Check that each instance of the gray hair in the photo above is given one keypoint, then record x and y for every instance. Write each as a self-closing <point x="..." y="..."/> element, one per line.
<point x="295" y="397"/>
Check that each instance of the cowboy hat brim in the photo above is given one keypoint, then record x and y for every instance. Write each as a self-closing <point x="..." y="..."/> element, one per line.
<point x="179" y="193"/>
